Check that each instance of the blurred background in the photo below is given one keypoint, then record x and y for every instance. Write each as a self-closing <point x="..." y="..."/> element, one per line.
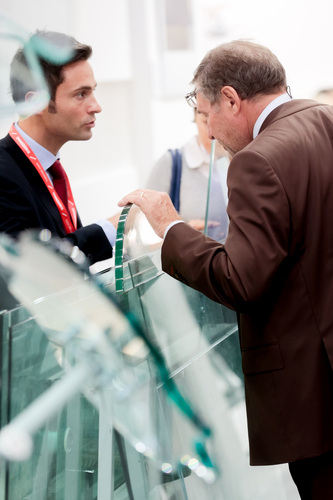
<point x="145" y="53"/>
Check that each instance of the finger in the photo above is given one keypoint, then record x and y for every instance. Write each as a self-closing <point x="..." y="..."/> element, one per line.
<point x="133" y="197"/>
<point x="213" y="223"/>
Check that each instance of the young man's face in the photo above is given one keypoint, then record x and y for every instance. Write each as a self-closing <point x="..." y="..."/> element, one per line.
<point x="72" y="116"/>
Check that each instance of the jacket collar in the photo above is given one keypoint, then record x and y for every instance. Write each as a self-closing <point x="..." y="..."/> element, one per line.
<point x="287" y="109"/>
<point x="281" y="99"/>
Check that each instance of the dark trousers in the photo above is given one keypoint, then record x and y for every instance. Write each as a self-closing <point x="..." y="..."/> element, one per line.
<point x="314" y="477"/>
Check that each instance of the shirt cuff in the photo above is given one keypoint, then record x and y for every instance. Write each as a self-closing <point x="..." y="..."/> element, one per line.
<point x="109" y="230"/>
<point x="170" y="226"/>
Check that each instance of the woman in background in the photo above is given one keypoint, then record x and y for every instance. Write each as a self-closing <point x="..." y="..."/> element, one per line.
<point x="195" y="159"/>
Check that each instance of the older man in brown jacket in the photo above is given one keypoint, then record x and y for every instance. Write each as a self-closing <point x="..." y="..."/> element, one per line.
<point x="276" y="266"/>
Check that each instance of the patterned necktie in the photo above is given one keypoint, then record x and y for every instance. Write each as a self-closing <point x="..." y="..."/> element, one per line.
<point x="59" y="181"/>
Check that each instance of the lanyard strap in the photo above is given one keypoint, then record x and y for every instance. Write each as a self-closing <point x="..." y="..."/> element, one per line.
<point x="69" y="219"/>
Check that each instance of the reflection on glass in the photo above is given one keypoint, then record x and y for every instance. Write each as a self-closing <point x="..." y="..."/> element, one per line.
<point x="13" y="38"/>
<point x="198" y="339"/>
<point x="108" y="356"/>
<point x="137" y="250"/>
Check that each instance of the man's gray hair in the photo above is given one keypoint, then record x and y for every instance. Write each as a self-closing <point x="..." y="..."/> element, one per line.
<point x="248" y="67"/>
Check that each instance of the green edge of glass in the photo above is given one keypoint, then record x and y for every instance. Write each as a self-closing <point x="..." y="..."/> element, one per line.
<point x="119" y="246"/>
<point x="168" y="383"/>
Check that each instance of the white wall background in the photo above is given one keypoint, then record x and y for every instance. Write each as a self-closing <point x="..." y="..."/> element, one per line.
<point x="145" y="52"/>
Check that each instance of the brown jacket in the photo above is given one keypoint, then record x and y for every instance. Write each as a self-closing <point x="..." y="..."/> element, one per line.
<point x="276" y="270"/>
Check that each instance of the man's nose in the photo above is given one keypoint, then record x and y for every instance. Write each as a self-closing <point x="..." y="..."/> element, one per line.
<point x="209" y="133"/>
<point x="94" y="106"/>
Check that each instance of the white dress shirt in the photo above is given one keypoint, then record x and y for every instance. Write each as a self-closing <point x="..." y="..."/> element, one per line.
<point x="272" y="105"/>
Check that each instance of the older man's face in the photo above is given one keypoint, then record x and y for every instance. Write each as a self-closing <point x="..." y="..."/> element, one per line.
<point x="223" y="124"/>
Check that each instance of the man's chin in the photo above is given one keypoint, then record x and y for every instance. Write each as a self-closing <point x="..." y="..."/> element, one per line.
<point x="83" y="137"/>
<point x="230" y="151"/>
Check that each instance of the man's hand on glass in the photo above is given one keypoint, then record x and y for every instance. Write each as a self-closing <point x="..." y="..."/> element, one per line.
<point x="157" y="207"/>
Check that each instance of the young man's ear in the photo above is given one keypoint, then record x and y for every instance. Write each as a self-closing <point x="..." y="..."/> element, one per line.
<point x="37" y="101"/>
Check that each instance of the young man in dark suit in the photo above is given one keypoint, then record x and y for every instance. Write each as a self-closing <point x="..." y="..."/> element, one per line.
<point x="276" y="266"/>
<point x="29" y="197"/>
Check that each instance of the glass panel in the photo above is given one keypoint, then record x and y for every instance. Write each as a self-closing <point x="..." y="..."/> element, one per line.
<point x="137" y="250"/>
<point x="26" y="68"/>
<point x="199" y="341"/>
<point x="216" y="220"/>
<point x="182" y="322"/>
<point x="89" y="333"/>
<point x="64" y="462"/>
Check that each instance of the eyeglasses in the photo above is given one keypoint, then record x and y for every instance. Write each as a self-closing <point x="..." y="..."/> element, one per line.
<point x="191" y="98"/>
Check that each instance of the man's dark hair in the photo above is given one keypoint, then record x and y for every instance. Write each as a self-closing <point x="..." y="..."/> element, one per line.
<point x="22" y="79"/>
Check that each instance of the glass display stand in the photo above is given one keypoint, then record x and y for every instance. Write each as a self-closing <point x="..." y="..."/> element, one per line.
<point x="198" y="339"/>
<point x="159" y="409"/>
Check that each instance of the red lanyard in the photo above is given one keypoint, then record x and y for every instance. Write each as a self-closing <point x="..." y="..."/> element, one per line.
<point x="69" y="220"/>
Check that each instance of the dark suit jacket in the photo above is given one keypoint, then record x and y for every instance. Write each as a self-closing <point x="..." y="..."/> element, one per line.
<point x="276" y="270"/>
<point x="25" y="203"/>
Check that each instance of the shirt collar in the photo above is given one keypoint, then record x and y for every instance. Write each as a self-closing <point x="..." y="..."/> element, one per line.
<point x="45" y="157"/>
<point x="272" y="105"/>
<point x="195" y="154"/>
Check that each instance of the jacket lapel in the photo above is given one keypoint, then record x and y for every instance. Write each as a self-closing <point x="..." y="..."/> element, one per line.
<point x="36" y="183"/>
